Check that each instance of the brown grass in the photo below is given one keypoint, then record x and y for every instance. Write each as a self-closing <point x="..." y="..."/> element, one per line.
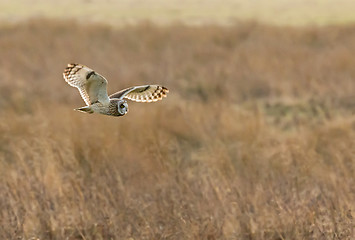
<point x="256" y="139"/>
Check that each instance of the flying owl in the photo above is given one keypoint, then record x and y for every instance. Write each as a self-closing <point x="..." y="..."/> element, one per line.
<point x="93" y="89"/>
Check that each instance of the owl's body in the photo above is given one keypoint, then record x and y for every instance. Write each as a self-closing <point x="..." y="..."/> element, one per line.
<point x="107" y="109"/>
<point x="93" y="89"/>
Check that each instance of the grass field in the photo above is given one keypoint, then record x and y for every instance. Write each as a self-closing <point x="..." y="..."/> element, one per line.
<point x="196" y="12"/>
<point x="256" y="139"/>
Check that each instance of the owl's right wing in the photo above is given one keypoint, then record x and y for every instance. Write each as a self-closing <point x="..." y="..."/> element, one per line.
<point x="91" y="85"/>
<point x="146" y="93"/>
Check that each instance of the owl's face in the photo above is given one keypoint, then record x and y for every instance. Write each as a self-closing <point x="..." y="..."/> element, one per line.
<point x="122" y="107"/>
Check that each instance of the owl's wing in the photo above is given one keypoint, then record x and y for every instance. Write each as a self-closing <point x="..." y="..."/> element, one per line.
<point x="91" y="85"/>
<point x="146" y="93"/>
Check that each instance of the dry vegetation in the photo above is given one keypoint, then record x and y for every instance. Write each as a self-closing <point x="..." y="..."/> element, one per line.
<point x="255" y="141"/>
<point x="121" y="12"/>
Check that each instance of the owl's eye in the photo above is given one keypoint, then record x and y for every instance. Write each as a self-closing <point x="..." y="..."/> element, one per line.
<point x="122" y="105"/>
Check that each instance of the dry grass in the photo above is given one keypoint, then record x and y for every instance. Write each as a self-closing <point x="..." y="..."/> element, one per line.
<point x="255" y="141"/>
<point x="196" y="12"/>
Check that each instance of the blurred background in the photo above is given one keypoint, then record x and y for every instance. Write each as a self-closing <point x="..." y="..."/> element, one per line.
<point x="192" y="12"/>
<point x="256" y="139"/>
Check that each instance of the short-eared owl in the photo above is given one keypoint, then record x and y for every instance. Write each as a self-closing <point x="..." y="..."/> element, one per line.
<point x="93" y="89"/>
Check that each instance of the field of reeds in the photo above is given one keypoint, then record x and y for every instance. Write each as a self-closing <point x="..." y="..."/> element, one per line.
<point x="256" y="139"/>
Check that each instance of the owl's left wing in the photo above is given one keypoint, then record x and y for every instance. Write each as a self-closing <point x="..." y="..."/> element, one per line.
<point x="146" y="93"/>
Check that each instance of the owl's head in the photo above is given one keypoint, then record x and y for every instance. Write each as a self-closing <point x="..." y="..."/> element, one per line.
<point x="122" y="107"/>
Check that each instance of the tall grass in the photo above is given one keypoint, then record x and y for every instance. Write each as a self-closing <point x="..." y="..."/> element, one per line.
<point x="256" y="139"/>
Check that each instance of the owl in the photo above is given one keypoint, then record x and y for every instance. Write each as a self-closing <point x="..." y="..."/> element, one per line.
<point x="93" y="89"/>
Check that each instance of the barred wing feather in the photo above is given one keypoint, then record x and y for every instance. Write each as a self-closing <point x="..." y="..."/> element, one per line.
<point x="146" y="93"/>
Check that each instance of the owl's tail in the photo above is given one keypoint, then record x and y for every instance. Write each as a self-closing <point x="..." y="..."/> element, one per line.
<point x="86" y="109"/>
